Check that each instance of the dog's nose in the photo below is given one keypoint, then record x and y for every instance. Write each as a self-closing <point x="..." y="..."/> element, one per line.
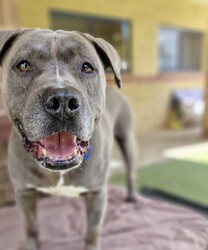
<point x="61" y="103"/>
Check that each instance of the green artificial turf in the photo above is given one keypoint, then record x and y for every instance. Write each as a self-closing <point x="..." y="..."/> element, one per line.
<point x="184" y="178"/>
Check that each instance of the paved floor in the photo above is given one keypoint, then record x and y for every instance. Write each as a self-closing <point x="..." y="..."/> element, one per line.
<point x="153" y="144"/>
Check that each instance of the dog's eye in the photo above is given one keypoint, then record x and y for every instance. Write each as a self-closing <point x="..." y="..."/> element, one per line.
<point x="87" y="68"/>
<point x="24" y="66"/>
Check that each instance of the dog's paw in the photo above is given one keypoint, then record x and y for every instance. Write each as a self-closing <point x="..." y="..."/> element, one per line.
<point x="92" y="247"/>
<point x="132" y="197"/>
<point x="29" y="244"/>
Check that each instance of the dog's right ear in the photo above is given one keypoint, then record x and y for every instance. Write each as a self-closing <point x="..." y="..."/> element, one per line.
<point x="7" y="38"/>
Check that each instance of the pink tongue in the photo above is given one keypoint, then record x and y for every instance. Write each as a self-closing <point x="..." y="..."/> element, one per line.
<point x="59" y="145"/>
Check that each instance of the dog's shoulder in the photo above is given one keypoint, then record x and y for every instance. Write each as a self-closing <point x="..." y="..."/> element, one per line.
<point x="116" y="102"/>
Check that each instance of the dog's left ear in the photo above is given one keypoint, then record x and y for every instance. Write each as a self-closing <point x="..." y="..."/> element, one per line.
<point x="7" y="37"/>
<point x="108" y="55"/>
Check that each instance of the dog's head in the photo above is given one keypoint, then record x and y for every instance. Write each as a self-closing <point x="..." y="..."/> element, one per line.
<point x="54" y="90"/>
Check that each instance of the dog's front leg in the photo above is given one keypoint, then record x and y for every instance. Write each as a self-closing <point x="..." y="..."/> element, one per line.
<point x="95" y="204"/>
<point x="27" y="202"/>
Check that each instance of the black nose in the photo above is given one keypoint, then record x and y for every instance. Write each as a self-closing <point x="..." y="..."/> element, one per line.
<point x="61" y="102"/>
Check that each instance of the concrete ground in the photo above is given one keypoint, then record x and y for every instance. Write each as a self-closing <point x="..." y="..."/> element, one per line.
<point x="152" y="145"/>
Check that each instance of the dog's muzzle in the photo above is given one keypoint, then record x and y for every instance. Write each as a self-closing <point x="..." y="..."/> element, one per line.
<point x="61" y="149"/>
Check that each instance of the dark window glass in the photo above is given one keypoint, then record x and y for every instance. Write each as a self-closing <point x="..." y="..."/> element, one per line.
<point x="180" y="50"/>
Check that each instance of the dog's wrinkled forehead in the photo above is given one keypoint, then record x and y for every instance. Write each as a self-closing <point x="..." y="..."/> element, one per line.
<point x="46" y="45"/>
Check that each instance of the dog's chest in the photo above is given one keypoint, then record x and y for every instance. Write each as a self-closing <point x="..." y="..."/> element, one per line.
<point x="60" y="189"/>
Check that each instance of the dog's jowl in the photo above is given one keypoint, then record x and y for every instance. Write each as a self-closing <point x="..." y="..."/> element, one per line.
<point x="64" y="121"/>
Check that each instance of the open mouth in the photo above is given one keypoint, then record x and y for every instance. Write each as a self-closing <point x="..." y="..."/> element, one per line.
<point x="59" y="151"/>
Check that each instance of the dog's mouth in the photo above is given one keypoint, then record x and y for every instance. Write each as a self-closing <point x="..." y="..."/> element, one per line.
<point x="59" y="151"/>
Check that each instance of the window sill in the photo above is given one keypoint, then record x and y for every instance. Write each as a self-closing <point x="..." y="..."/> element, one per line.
<point x="160" y="77"/>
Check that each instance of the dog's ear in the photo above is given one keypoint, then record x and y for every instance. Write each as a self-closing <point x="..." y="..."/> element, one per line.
<point x="7" y="38"/>
<point x="108" y="55"/>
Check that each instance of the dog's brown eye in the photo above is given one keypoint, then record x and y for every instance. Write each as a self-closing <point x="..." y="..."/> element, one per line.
<point x="24" y="66"/>
<point x="87" y="68"/>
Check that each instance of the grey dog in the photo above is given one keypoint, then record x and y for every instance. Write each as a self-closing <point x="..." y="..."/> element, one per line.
<point x="64" y="120"/>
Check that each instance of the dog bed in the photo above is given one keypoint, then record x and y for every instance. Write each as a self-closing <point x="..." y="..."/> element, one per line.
<point x="147" y="225"/>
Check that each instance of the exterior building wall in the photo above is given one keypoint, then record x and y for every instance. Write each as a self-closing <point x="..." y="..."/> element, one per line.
<point x="146" y="16"/>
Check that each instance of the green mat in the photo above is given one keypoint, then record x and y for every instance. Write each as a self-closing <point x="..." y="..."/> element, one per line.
<point x="186" y="178"/>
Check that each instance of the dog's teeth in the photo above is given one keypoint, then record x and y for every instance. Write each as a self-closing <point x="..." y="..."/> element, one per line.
<point x="74" y="153"/>
<point x="44" y="152"/>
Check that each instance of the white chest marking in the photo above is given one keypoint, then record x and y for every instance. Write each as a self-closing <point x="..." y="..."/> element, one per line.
<point x="60" y="189"/>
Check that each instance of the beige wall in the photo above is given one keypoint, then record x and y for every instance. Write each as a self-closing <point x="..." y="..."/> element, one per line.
<point x="8" y="14"/>
<point x="150" y="104"/>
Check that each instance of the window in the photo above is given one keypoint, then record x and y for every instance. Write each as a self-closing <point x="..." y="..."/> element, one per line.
<point x="180" y="50"/>
<point x="116" y="32"/>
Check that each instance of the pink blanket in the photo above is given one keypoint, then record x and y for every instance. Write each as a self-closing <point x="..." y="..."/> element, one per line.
<point x="148" y="225"/>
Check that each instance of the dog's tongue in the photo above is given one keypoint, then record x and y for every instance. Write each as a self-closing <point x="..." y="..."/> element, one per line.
<point x="59" y="145"/>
